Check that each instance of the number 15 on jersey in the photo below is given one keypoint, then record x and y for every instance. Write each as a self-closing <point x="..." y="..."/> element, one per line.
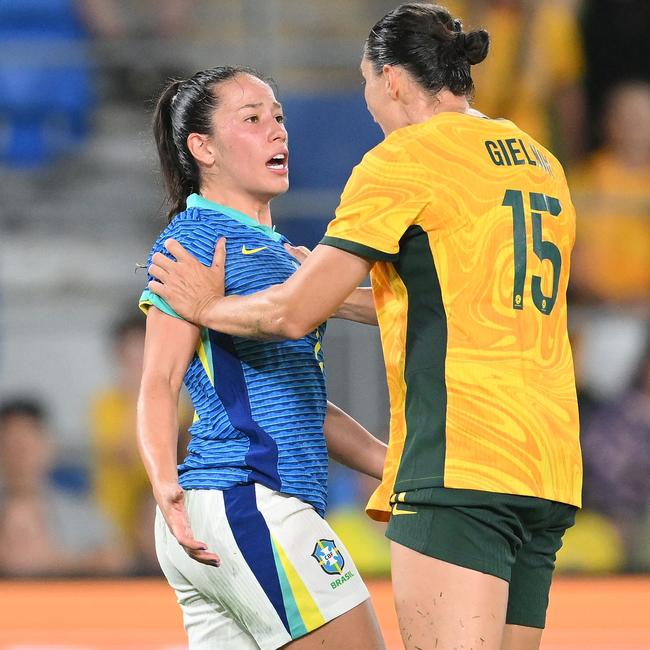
<point x="545" y="250"/>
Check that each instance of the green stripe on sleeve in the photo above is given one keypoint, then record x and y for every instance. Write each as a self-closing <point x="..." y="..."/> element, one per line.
<point x="359" y="249"/>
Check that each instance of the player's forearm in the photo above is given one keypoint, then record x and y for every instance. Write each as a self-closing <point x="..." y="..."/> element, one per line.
<point x="157" y="432"/>
<point x="299" y="305"/>
<point x="359" y="307"/>
<point x="263" y="315"/>
<point x="351" y="444"/>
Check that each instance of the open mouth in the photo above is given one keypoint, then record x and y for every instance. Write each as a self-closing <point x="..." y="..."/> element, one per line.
<point x="278" y="162"/>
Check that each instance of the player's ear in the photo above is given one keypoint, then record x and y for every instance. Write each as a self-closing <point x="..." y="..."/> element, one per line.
<point x="392" y="80"/>
<point x="201" y="148"/>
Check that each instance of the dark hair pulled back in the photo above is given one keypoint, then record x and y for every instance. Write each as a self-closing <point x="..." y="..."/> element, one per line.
<point x="184" y="107"/>
<point x="430" y="44"/>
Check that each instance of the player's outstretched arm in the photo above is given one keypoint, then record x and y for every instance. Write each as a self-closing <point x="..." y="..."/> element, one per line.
<point x="359" y="306"/>
<point x="351" y="444"/>
<point x="169" y="345"/>
<point x="288" y="310"/>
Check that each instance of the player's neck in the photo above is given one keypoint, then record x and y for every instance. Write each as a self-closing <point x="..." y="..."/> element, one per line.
<point x="425" y="107"/>
<point x="255" y="208"/>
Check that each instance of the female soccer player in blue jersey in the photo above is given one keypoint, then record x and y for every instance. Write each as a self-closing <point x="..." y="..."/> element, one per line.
<point x="268" y="570"/>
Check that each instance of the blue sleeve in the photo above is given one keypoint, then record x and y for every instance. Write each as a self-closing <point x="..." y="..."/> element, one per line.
<point x="196" y="236"/>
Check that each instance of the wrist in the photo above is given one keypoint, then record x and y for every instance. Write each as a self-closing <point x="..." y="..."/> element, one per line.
<point x="205" y="310"/>
<point x="165" y="491"/>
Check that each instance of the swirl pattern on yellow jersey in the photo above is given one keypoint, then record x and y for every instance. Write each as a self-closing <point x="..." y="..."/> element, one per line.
<point x="474" y="331"/>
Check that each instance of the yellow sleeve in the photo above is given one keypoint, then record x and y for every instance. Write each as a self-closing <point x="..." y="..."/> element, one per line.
<point x="382" y="198"/>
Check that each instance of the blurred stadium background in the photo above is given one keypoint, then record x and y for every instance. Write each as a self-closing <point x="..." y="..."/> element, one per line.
<point x="81" y="204"/>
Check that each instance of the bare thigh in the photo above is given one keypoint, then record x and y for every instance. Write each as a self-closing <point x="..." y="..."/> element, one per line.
<point x="357" y="629"/>
<point x="519" y="637"/>
<point x="442" y="606"/>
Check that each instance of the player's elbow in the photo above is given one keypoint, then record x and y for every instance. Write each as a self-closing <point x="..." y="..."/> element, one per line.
<point x="289" y="326"/>
<point x="286" y="322"/>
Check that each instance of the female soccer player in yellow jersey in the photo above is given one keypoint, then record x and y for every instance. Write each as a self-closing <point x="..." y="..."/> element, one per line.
<point x="466" y="226"/>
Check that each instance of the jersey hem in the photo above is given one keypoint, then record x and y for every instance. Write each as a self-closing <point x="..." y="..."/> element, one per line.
<point x="319" y="506"/>
<point x="457" y="487"/>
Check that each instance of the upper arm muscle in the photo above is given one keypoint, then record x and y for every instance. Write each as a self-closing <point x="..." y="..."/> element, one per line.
<point x="169" y="346"/>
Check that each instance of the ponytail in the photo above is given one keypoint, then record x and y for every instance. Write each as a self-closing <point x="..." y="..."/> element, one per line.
<point x="177" y="186"/>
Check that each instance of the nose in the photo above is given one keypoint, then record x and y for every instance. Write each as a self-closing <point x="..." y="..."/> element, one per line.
<point x="278" y="133"/>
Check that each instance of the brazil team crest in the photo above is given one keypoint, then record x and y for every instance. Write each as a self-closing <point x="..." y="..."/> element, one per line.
<point x="328" y="556"/>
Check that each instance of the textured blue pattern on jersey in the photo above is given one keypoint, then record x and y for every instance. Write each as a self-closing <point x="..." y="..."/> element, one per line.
<point x="264" y="420"/>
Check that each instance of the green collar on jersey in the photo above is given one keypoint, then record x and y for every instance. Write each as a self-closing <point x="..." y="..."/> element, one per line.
<point x="197" y="201"/>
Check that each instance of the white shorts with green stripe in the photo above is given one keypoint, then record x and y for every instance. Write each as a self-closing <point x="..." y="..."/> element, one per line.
<point x="284" y="572"/>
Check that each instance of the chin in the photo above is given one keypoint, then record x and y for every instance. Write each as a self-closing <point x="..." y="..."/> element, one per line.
<point x="268" y="194"/>
<point x="282" y="187"/>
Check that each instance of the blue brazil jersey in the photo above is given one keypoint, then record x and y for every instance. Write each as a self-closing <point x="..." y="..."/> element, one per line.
<point x="259" y="405"/>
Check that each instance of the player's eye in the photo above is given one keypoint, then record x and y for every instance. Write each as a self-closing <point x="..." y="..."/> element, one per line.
<point x="279" y="119"/>
<point x="253" y="119"/>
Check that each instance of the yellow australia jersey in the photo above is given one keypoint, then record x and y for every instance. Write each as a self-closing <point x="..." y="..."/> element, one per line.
<point x="471" y="226"/>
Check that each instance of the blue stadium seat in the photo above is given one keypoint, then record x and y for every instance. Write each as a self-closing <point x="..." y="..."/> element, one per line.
<point x="328" y="135"/>
<point x="46" y="81"/>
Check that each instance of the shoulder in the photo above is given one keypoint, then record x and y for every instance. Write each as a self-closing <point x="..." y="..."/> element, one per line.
<point x="395" y="147"/>
<point x="392" y="161"/>
<point x="197" y="231"/>
<point x="196" y="222"/>
<point x="414" y="147"/>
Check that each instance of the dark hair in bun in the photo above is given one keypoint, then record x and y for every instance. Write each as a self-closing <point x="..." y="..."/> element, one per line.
<point x="430" y="44"/>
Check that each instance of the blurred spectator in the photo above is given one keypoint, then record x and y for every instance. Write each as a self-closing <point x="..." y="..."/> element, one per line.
<point x="116" y="18"/>
<point x="135" y="44"/>
<point x="616" y="446"/>
<point x="536" y="54"/>
<point x="44" y="530"/>
<point x="611" y="192"/>
<point x="121" y="485"/>
<point x="611" y="261"/>
<point x="617" y="47"/>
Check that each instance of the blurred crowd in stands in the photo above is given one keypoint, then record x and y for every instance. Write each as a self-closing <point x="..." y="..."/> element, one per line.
<point x="575" y="74"/>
